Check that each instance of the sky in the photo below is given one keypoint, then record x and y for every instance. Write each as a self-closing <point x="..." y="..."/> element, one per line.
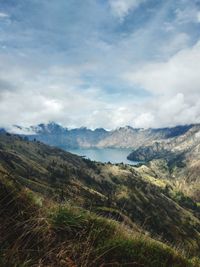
<point x="100" y="63"/>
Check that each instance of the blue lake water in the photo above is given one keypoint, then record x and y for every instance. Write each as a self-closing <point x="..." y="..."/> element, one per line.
<point x="113" y="155"/>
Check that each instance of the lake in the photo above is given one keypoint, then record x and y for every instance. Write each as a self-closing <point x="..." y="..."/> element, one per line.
<point x="114" y="155"/>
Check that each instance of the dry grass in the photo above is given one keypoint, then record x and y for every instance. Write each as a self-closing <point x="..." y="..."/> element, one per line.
<point x="65" y="236"/>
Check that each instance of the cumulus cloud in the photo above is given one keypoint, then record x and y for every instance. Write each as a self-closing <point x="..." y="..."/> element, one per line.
<point x="180" y="73"/>
<point x="174" y="86"/>
<point x="70" y="62"/>
<point x="28" y="96"/>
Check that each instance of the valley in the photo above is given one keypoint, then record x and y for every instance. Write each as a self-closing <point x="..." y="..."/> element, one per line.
<point x="146" y="201"/>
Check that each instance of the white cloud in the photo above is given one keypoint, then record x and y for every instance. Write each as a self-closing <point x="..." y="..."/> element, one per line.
<point x="178" y="74"/>
<point x="175" y="88"/>
<point x="175" y="44"/>
<point x="3" y="15"/>
<point x="29" y="96"/>
<point x="144" y="120"/>
<point x="122" y="7"/>
<point x="61" y="68"/>
<point x="33" y="95"/>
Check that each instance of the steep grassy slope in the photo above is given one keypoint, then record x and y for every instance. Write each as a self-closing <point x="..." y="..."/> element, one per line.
<point x="182" y="160"/>
<point x="135" y="196"/>
<point x="36" y="232"/>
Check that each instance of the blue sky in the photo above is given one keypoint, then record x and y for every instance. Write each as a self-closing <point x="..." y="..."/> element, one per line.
<point x="100" y="63"/>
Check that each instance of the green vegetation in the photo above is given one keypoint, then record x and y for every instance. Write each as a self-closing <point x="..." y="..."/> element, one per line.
<point x="59" y="209"/>
<point x="184" y="201"/>
<point x="62" y="235"/>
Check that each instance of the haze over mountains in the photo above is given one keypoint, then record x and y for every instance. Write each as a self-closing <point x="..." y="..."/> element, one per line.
<point x="123" y="137"/>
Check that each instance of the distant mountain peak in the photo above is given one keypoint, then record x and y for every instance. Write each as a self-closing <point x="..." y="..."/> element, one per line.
<point x="126" y="137"/>
<point x="49" y="128"/>
<point x="100" y="130"/>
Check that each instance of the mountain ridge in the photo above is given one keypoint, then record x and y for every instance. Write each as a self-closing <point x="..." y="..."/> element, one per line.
<point x="182" y="156"/>
<point x="122" y="137"/>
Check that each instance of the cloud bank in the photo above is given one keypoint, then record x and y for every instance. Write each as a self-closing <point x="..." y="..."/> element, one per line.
<point x="100" y="63"/>
<point x="175" y="88"/>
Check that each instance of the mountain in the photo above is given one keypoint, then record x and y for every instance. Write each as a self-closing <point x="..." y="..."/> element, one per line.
<point x="182" y="158"/>
<point x="129" y="137"/>
<point x="54" y="134"/>
<point x="49" y="194"/>
<point x="50" y="128"/>
<point x="184" y="143"/>
<point x="123" y="137"/>
<point x="2" y="130"/>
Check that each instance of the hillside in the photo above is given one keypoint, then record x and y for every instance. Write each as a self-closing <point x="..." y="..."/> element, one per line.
<point x="134" y="196"/>
<point x="123" y="137"/>
<point x="130" y="137"/>
<point x="37" y="232"/>
<point x="182" y="158"/>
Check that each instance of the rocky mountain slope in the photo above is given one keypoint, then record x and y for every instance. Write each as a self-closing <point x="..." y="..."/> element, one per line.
<point x="124" y="137"/>
<point x="182" y="157"/>
<point x="134" y="196"/>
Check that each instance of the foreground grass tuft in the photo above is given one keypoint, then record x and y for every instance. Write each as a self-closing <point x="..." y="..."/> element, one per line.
<point x="52" y="235"/>
<point x="101" y="241"/>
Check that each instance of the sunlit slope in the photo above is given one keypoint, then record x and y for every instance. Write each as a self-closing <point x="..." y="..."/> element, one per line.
<point x="135" y="196"/>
